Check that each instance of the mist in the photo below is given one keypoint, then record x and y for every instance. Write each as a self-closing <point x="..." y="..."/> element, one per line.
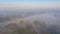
<point x="47" y="20"/>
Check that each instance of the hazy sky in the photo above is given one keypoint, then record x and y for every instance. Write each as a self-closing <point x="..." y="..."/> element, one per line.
<point x="29" y="4"/>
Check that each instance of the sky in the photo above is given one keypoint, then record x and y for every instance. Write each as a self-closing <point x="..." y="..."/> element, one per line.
<point x="29" y="4"/>
<point x="29" y="1"/>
